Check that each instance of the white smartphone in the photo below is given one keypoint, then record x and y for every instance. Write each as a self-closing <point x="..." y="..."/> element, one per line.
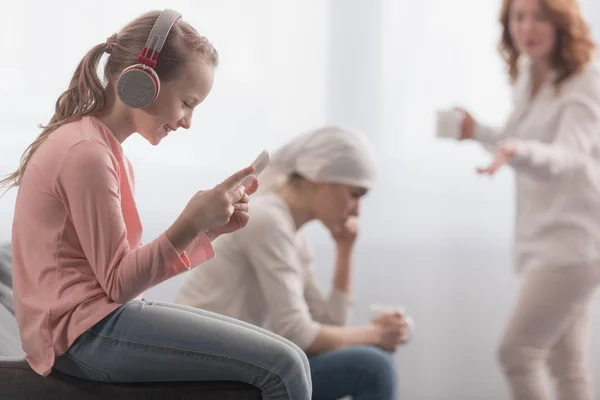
<point x="259" y="165"/>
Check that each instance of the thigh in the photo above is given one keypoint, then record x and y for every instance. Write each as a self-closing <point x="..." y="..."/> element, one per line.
<point x="246" y="325"/>
<point x="143" y="342"/>
<point x="549" y="302"/>
<point x="360" y="371"/>
<point x="571" y="347"/>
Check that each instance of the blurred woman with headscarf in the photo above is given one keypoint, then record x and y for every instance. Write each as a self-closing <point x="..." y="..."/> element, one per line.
<point x="263" y="274"/>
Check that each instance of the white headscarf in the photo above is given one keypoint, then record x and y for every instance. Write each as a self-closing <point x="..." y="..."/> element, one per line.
<point x="326" y="155"/>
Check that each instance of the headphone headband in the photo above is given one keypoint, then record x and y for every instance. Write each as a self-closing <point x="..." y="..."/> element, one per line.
<point x="158" y="36"/>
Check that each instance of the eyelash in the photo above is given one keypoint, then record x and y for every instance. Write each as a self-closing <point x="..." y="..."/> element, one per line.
<point x="188" y="105"/>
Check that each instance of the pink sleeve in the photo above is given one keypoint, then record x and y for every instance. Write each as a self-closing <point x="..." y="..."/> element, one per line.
<point x="199" y="251"/>
<point x="88" y="183"/>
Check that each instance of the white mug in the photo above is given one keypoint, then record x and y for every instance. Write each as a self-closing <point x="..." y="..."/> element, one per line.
<point x="449" y="123"/>
<point x="379" y="309"/>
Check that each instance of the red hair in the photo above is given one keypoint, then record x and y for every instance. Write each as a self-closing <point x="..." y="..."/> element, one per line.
<point x="574" y="43"/>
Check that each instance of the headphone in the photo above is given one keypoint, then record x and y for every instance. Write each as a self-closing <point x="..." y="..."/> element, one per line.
<point x="138" y="85"/>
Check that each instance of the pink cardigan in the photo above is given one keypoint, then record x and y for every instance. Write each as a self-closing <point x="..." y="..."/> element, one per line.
<point x="77" y="248"/>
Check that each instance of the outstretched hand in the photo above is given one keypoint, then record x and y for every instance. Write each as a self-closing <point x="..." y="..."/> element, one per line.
<point x="505" y="155"/>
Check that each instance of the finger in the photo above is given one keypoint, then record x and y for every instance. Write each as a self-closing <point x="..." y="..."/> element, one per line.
<point x="241" y="207"/>
<point x="252" y="187"/>
<point x="351" y="224"/>
<point x="236" y="179"/>
<point x="493" y="167"/>
<point x="237" y="195"/>
<point x="489" y="170"/>
<point x="399" y="326"/>
<point x="351" y="220"/>
<point x="245" y="198"/>
<point x="404" y="339"/>
<point x="396" y="318"/>
<point x="242" y="218"/>
<point x="498" y="162"/>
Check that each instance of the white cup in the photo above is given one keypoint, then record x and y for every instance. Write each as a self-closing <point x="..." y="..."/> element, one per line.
<point x="380" y="309"/>
<point x="449" y="123"/>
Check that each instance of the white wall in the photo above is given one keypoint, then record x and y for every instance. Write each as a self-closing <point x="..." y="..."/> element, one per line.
<point x="591" y="8"/>
<point x="435" y="237"/>
<point x="270" y="85"/>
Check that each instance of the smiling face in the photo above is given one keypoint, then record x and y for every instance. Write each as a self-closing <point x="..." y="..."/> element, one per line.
<point x="175" y="104"/>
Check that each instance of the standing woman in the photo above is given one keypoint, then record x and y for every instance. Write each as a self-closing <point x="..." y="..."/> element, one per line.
<point x="552" y="141"/>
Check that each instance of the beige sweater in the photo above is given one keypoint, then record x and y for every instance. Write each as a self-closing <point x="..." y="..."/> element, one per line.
<point x="557" y="137"/>
<point x="263" y="275"/>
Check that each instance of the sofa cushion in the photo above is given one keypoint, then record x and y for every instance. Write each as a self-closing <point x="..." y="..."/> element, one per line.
<point x="6" y="293"/>
<point x="6" y="298"/>
<point x="18" y="381"/>
<point x="10" y="342"/>
<point x="6" y="264"/>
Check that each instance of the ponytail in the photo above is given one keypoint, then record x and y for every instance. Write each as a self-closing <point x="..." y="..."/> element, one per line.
<point x="86" y="93"/>
<point x="85" y="96"/>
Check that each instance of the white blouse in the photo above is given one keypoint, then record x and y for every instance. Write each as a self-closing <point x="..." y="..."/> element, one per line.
<point x="263" y="274"/>
<point x="557" y="139"/>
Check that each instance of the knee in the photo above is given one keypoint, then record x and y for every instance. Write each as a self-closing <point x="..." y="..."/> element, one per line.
<point x="378" y="368"/>
<point x="289" y="363"/>
<point x="517" y="360"/>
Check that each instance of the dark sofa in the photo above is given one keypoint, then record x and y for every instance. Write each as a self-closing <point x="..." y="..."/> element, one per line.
<point x="18" y="381"/>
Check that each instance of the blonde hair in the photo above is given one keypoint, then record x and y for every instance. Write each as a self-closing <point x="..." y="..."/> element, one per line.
<point x="574" y="44"/>
<point x="86" y="94"/>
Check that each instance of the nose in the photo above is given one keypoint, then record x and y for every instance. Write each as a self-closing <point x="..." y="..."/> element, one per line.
<point x="185" y="122"/>
<point x="527" y="24"/>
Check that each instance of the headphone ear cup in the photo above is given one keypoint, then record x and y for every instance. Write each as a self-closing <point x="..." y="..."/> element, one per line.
<point x="138" y="86"/>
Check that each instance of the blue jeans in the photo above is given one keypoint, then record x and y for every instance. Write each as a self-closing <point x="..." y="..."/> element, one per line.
<point x="144" y="341"/>
<point x="363" y="372"/>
